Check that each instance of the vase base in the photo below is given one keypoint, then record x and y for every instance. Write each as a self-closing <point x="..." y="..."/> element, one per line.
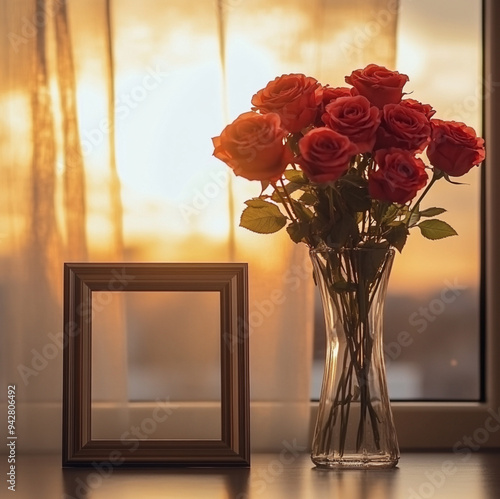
<point x="355" y="462"/>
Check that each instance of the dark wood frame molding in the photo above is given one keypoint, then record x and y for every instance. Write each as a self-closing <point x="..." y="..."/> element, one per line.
<point x="231" y="281"/>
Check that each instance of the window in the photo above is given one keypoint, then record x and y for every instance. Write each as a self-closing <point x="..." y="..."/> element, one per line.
<point x="165" y="199"/>
<point x="432" y="320"/>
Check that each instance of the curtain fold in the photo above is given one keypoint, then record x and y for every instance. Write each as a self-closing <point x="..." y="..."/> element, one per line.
<point x="114" y="181"/>
<point x="44" y="239"/>
<point x="45" y="194"/>
<point x="74" y="174"/>
<point x="108" y="111"/>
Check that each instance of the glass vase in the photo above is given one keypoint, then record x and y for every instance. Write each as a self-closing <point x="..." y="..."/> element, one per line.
<point x="354" y="426"/>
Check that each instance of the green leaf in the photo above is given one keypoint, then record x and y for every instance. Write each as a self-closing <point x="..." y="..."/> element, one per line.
<point x="296" y="176"/>
<point x="397" y="236"/>
<point x="308" y="198"/>
<point x="293" y="186"/>
<point x="298" y="231"/>
<point x="343" y="231"/>
<point x="258" y="203"/>
<point x="323" y="207"/>
<point x="262" y="217"/>
<point x="303" y="212"/>
<point x="353" y="179"/>
<point x="414" y="218"/>
<point x="290" y="187"/>
<point x="392" y="212"/>
<point x="432" y="212"/>
<point x="436" y="229"/>
<point x="354" y="190"/>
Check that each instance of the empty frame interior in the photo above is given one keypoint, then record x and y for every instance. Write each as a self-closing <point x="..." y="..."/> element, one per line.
<point x="165" y="345"/>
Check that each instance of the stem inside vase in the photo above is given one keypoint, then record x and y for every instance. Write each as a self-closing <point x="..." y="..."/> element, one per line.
<point x="354" y="425"/>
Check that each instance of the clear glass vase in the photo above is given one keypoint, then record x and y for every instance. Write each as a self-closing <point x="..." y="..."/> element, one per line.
<point x="354" y="426"/>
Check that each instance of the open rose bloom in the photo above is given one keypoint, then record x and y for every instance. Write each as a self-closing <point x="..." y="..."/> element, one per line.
<point x="345" y="166"/>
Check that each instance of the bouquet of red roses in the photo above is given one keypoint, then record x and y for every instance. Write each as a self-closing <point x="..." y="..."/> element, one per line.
<point x="344" y="170"/>
<point x="342" y="166"/>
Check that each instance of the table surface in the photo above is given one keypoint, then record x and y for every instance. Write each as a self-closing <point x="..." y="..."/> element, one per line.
<point x="276" y="476"/>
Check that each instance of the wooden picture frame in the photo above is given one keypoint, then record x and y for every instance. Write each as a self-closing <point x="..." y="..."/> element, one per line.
<point x="228" y="279"/>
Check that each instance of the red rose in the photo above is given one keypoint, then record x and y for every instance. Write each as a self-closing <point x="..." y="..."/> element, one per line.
<point x="418" y="106"/>
<point x="294" y="97"/>
<point x="455" y="147"/>
<point x="355" y="118"/>
<point x="332" y="93"/>
<point x="252" y="145"/>
<point x="398" y="177"/>
<point x="329" y="95"/>
<point x="378" y="84"/>
<point x="325" y="154"/>
<point x="403" y="127"/>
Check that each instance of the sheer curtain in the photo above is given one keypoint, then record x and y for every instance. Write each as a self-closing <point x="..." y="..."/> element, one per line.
<point x="107" y="115"/>
<point x="58" y="202"/>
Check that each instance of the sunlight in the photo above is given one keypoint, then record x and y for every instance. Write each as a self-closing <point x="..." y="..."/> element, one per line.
<point x="249" y="67"/>
<point x="166" y="166"/>
<point x="167" y="110"/>
<point x="92" y="105"/>
<point x="411" y="57"/>
<point x="164" y="161"/>
<point x="16" y="111"/>
<point x="426" y="63"/>
<point x="14" y="122"/>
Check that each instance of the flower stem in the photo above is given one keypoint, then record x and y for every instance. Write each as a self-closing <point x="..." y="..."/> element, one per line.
<point x="353" y="306"/>
<point x="435" y="177"/>
<point x="293" y="216"/>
